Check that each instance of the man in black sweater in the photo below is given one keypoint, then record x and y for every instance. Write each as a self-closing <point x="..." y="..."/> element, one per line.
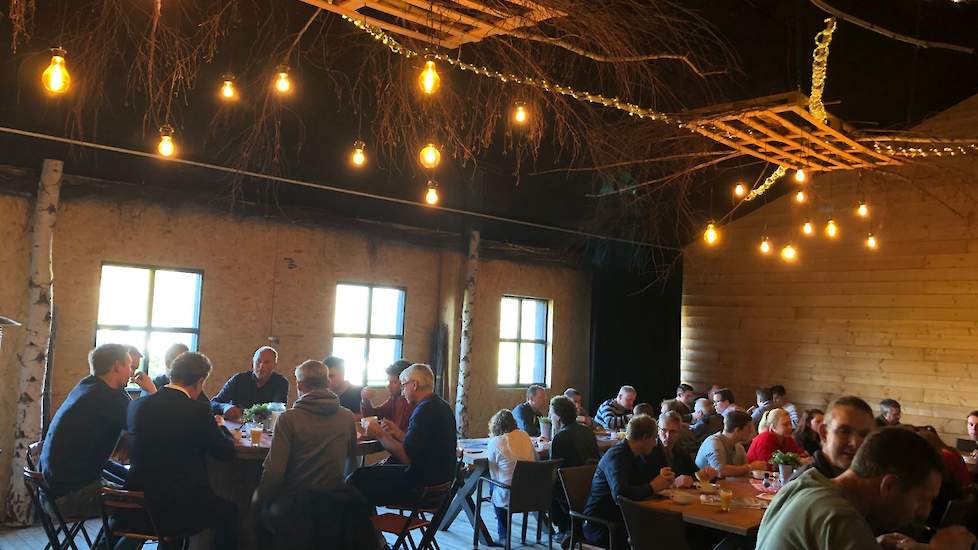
<point x="259" y="385"/>
<point x="171" y="435"/>
<point x="573" y="443"/>
<point x="628" y="469"/>
<point x="527" y="413"/>
<point x="86" y="428"/>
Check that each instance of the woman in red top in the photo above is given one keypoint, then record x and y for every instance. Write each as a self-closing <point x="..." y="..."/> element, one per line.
<point x="777" y="438"/>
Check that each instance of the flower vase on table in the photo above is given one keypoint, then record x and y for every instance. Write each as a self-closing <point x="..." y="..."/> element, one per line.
<point x="786" y="463"/>
<point x="545" y="427"/>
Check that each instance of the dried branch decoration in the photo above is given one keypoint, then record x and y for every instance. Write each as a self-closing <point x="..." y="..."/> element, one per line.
<point x="768" y="183"/>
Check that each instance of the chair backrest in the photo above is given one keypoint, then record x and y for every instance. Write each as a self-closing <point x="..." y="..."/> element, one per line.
<point x="531" y="489"/>
<point x="652" y="528"/>
<point x="34" y="455"/>
<point x="120" y="501"/>
<point x="577" y="485"/>
<point x="967" y="445"/>
<point x="958" y="512"/>
<point x="427" y="540"/>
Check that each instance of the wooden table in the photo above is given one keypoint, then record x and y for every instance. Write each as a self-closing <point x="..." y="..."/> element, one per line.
<point x="739" y="520"/>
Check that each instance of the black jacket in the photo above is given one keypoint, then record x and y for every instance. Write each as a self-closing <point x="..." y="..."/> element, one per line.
<point x="170" y="438"/>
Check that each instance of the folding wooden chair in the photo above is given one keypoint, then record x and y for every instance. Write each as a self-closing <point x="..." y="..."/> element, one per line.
<point x="61" y="531"/>
<point x="124" y="502"/>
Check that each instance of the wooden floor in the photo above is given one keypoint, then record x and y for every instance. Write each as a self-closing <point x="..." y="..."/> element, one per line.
<point x="459" y="537"/>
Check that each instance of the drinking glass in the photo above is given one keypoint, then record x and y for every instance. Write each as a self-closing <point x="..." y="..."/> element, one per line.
<point x="726" y="496"/>
<point x="256" y="432"/>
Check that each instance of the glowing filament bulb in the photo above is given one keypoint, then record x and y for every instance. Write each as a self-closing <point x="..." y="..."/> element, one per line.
<point x="428" y="80"/>
<point x="430" y="156"/>
<point x="831" y="229"/>
<point x="765" y="247"/>
<point x="166" y="146"/>
<point x="227" y="89"/>
<point x="807" y="228"/>
<point x="520" y="114"/>
<point x="871" y="242"/>
<point x="282" y="83"/>
<point x="55" y="78"/>
<point x="431" y="196"/>
<point x="800" y="176"/>
<point x="359" y="156"/>
<point x="740" y="190"/>
<point x="789" y="253"/>
<point x="862" y="211"/>
<point x="800" y="197"/>
<point x="711" y="236"/>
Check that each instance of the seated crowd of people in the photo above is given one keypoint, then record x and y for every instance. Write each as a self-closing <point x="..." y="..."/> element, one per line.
<point x="862" y="476"/>
<point x="167" y="435"/>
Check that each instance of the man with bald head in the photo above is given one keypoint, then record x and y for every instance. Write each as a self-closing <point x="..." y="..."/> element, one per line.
<point x="261" y="384"/>
<point x="614" y="414"/>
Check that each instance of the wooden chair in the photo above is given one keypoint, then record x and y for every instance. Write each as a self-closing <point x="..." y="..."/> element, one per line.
<point x="530" y="491"/>
<point x="121" y="502"/>
<point x="651" y="528"/>
<point x="434" y="501"/>
<point x="577" y="487"/>
<point x="61" y="531"/>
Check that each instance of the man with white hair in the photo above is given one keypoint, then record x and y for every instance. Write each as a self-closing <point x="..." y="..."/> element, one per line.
<point x="425" y="452"/>
<point x="614" y="414"/>
<point x="261" y="384"/>
<point x="705" y="421"/>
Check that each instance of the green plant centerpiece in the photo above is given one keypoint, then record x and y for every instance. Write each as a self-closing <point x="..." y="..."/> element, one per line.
<point x="546" y="429"/>
<point x="543" y="419"/>
<point x="258" y="414"/>
<point x="781" y="458"/>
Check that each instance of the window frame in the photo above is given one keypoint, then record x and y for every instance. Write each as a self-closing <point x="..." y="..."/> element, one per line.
<point x="368" y="336"/>
<point x="148" y="328"/>
<point x="548" y="342"/>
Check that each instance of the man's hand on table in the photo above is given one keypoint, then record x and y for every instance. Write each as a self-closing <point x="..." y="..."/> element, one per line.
<point x="233" y="413"/>
<point x="757" y="465"/>
<point x="683" y="482"/>
<point x="391" y="429"/>
<point x="663" y="481"/>
<point x="952" y="538"/>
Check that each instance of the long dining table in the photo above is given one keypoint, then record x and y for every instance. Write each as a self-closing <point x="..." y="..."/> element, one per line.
<point x="743" y="519"/>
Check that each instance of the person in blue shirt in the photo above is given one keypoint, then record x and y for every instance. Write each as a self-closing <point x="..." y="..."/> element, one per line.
<point x="425" y="452"/>
<point x="86" y="428"/>
<point x="259" y="385"/>
<point x="528" y="412"/>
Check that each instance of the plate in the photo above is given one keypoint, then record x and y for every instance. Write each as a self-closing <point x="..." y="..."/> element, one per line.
<point x="765" y="497"/>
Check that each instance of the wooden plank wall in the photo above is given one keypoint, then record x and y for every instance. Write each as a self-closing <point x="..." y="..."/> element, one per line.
<point x="900" y="322"/>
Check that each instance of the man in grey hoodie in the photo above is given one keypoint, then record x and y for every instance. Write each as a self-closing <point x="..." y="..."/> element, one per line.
<point x="313" y="449"/>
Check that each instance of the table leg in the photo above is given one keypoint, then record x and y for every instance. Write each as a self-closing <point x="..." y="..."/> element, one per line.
<point x="464" y="501"/>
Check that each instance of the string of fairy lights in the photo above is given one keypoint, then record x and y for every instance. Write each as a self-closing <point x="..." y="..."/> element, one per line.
<point x="56" y="79"/>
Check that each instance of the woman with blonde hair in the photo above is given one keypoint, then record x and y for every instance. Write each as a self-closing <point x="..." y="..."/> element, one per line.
<point x="778" y="437"/>
<point x="507" y="445"/>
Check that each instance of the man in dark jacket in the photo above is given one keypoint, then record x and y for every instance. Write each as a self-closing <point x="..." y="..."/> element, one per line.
<point x="259" y="385"/>
<point x="573" y="443"/>
<point x="628" y="469"/>
<point x="528" y="413"/>
<point x="171" y="436"/>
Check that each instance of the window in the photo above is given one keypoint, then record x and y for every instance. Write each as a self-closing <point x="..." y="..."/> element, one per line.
<point x="368" y="330"/>
<point x="150" y="308"/>
<point x="524" y="341"/>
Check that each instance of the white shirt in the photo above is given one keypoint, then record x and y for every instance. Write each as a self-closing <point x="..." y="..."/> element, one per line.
<point x="504" y="450"/>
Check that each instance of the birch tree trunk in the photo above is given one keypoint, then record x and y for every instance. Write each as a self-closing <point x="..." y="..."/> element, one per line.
<point x="465" y="347"/>
<point x="33" y="357"/>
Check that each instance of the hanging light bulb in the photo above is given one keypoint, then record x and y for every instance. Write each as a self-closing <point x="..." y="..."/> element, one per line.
<point x="428" y="80"/>
<point x="56" y="78"/>
<point x="429" y="156"/>
<point x="862" y="210"/>
<point x="711" y="235"/>
<point x="740" y="190"/>
<point x="800" y="176"/>
<point x="800" y="197"/>
<point x="789" y="253"/>
<point x="831" y="229"/>
<point x="520" y="114"/>
<point x="765" y="247"/>
<point x="166" y="146"/>
<point x="431" y="196"/>
<point x="228" y="93"/>
<point x="871" y="242"/>
<point x="282" y="83"/>
<point x="359" y="156"/>
<point x="807" y="228"/>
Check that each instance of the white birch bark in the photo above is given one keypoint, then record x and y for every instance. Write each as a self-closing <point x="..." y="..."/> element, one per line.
<point x="32" y="359"/>
<point x="465" y="347"/>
